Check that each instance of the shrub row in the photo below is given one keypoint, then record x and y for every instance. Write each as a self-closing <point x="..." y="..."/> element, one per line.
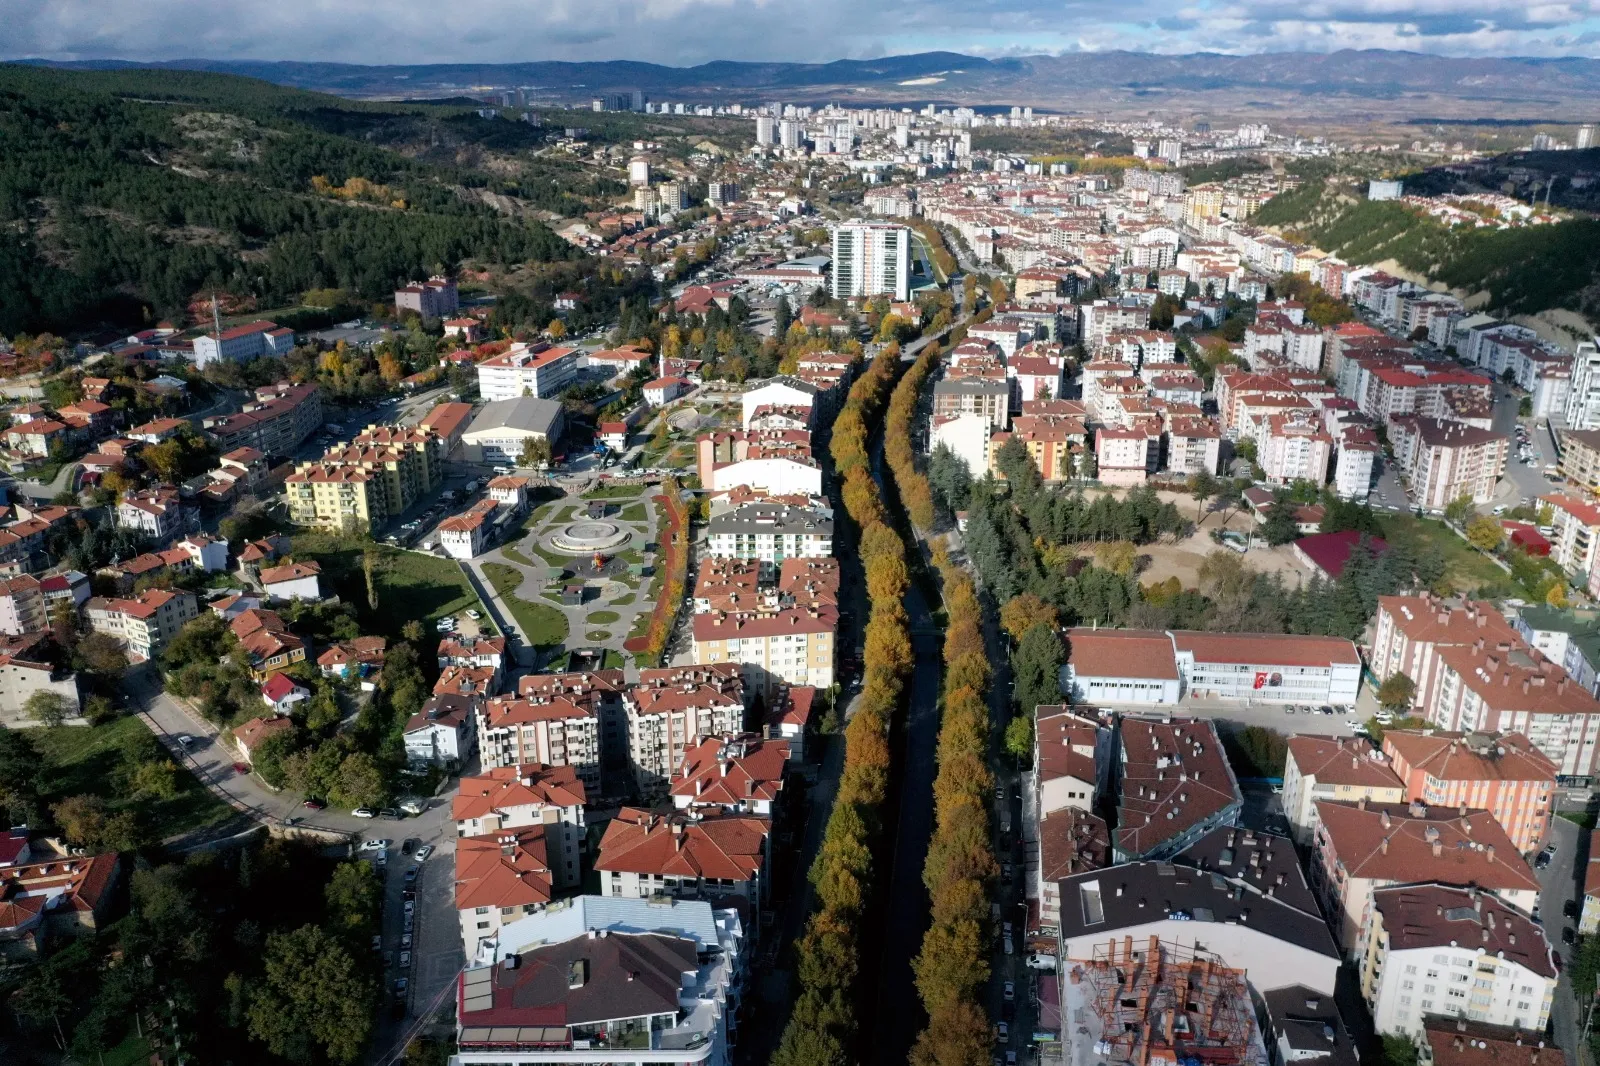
<point x="822" y="1028"/>
<point x="676" y="552"/>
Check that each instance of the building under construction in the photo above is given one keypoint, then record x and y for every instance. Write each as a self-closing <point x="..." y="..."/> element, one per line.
<point x="1157" y="1004"/>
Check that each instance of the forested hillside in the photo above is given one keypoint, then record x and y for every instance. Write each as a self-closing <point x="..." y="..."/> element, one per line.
<point x="123" y="194"/>
<point x="1525" y="271"/>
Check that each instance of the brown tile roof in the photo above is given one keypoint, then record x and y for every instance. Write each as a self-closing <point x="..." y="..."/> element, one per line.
<point x="1066" y="744"/>
<point x="1174" y="776"/>
<point x="256" y="730"/>
<point x="290" y="572"/>
<point x="1430" y="916"/>
<point x="1341" y="761"/>
<point x="1072" y="842"/>
<point x="1432" y="620"/>
<point x="679" y="688"/>
<point x="728" y="772"/>
<point x="627" y="975"/>
<point x="510" y="868"/>
<point x="726" y="846"/>
<point x="517" y="786"/>
<point x="1145" y="653"/>
<point x="77" y="883"/>
<point x="1517" y="678"/>
<point x="1387" y="842"/>
<point x="465" y="680"/>
<point x="506" y="711"/>
<point x="1447" y="757"/>
<point x="1459" y="1042"/>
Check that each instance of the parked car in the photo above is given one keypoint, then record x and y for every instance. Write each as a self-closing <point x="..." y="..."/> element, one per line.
<point x="362" y="812"/>
<point x="405" y="959"/>
<point x="1008" y="991"/>
<point x="400" y="985"/>
<point x="389" y="812"/>
<point x="313" y="805"/>
<point x="405" y="940"/>
<point x="1002" y="1032"/>
<point x="409" y="845"/>
<point x="241" y="768"/>
<point x="424" y="851"/>
<point x="411" y="875"/>
<point x="1567" y="936"/>
<point x="1040" y="961"/>
<point x="375" y="844"/>
<point x="474" y="614"/>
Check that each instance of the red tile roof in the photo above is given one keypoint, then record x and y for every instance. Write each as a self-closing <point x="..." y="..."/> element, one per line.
<point x="1342" y="761"/>
<point x="1330" y="552"/>
<point x="528" y="784"/>
<point x="1386" y="842"/>
<point x="510" y="868"/>
<point x="725" y="846"/>
<point x="1140" y="653"/>
<point x="733" y="771"/>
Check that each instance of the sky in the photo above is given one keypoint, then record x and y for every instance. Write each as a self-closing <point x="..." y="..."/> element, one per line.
<point x="687" y="32"/>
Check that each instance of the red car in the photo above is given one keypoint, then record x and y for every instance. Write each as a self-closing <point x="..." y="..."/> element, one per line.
<point x="241" y="767"/>
<point x="314" y="805"/>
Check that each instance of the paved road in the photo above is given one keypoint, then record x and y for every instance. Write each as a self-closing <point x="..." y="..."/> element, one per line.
<point x="1560" y="884"/>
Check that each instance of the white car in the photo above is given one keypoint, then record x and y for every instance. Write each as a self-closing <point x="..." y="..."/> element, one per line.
<point x="474" y="614"/>
<point x="363" y="812"/>
<point x="1040" y="961"/>
<point x="424" y="851"/>
<point x="374" y="845"/>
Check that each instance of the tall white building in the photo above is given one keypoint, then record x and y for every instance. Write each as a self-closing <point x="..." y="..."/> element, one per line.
<point x="765" y="132"/>
<point x="1435" y="949"/>
<point x="1583" y="397"/>
<point x="1585" y="137"/>
<point x="871" y="258"/>
<point x="789" y="134"/>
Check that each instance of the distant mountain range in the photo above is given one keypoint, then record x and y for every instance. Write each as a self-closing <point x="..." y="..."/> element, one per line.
<point x="1370" y="84"/>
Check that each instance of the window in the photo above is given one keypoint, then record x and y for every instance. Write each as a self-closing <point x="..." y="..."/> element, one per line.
<point x="1408" y="985"/>
<point x="481" y="910"/>
<point x="1427" y="1005"/>
<point x="1411" y="969"/>
<point x="1458" y="993"/>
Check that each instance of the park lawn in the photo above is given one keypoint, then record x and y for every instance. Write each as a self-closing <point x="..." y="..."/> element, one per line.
<point x="597" y="635"/>
<point x="614" y="492"/>
<point x="600" y="618"/>
<point x="410" y="585"/>
<point x="543" y="626"/>
<point x="623" y="601"/>
<point x="86" y="760"/>
<point x="634" y="512"/>
<point x="1467" y="569"/>
<point x="513" y="553"/>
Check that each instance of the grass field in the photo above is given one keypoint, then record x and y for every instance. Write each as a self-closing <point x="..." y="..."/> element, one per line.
<point x="623" y="601"/>
<point x="597" y="634"/>
<point x="614" y="492"/>
<point x="89" y="760"/>
<point x="544" y="627"/>
<point x="634" y="512"/>
<point x="410" y="585"/>
<point x="1467" y="569"/>
<point x="600" y="618"/>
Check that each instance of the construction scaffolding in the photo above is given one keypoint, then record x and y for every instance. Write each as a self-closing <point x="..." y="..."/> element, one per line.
<point x="1160" y="1005"/>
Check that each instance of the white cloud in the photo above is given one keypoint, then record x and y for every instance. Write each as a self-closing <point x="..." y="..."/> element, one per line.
<point x="685" y="32"/>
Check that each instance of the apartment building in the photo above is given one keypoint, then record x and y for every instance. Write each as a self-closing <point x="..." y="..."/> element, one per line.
<point x="1447" y="460"/>
<point x="1053" y="443"/>
<point x="1576" y="542"/>
<point x="556" y="726"/>
<point x="871" y="259"/>
<point x="1297" y="448"/>
<point x="512" y="797"/>
<point x="673" y="709"/>
<point x="1445" y="949"/>
<point x="685" y="855"/>
<point x="444" y="732"/>
<point x="1333" y="768"/>
<point x="280" y="418"/>
<point x="1504" y="775"/>
<point x="366" y="483"/>
<point x="142" y="624"/>
<point x="22" y="606"/>
<point x="154" y="513"/>
<point x="770" y="533"/>
<point x="1355" y="457"/>
<point x="774" y="648"/>
<point x="1126" y="456"/>
<point x="1194" y="445"/>
<point x="1509" y="688"/>
<point x="631" y="981"/>
<point x="536" y="370"/>
<point x="502" y="877"/>
<point x="1412" y="629"/>
<point x="1174" y="785"/>
<point x="465" y="535"/>
<point x="986" y="396"/>
<point x="741" y="774"/>
<point x="1364" y="847"/>
<point x="1580" y="458"/>
<point x="433" y="298"/>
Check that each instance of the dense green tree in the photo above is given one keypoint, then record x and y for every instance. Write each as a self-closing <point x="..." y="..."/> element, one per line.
<point x="313" y="999"/>
<point x="1035" y="666"/>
